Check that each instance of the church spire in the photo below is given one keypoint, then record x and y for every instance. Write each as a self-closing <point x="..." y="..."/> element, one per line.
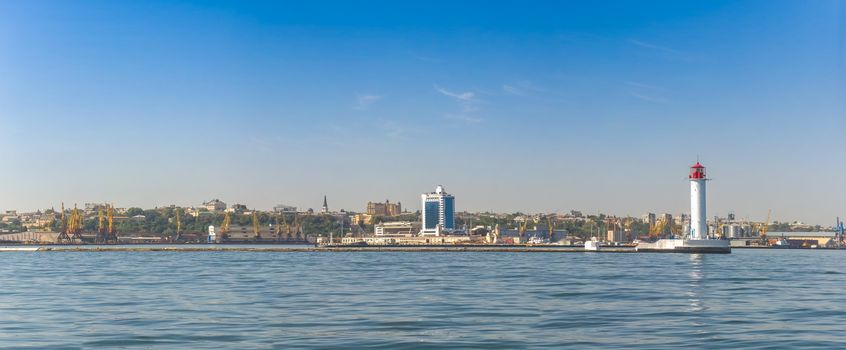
<point x="325" y="208"/>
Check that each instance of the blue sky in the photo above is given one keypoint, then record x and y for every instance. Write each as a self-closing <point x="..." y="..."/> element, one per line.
<point x="539" y="107"/>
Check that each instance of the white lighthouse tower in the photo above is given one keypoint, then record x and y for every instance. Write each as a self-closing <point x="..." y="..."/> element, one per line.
<point x="698" y="225"/>
<point x="697" y="241"/>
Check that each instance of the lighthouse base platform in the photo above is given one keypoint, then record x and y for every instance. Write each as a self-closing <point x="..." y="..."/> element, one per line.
<point x="716" y="246"/>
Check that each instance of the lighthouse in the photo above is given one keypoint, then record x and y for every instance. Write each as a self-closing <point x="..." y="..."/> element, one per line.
<point x="697" y="241"/>
<point x="698" y="225"/>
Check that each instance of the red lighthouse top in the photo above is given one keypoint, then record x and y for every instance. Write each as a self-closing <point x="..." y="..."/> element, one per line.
<point x="697" y="172"/>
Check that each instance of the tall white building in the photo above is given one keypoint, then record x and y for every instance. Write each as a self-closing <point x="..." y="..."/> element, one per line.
<point x="438" y="212"/>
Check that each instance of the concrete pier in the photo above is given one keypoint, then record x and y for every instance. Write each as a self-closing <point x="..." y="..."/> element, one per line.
<point x="266" y="248"/>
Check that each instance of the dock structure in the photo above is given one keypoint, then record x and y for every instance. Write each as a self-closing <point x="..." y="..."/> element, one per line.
<point x="29" y="237"/>
<point x="335" y="248"/>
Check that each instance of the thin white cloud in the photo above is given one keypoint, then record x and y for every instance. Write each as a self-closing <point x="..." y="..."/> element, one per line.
<point x="425" y="58"/>
<point x="649" y="98"/>
<point x="362" y="102"/>
<point x="466" y="100"/>
<point x="513" y="90"/>
<point x="464" y="118"/>
<point x="643" y="86"/>
<point x="654" y="47"/>
<point x="522" y="88"/>
<point x="462" y="96"/>
<point x="647" y="92"/>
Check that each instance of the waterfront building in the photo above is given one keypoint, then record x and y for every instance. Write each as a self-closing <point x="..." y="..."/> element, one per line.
<point x="438" y="214"/>
<point x="384" y="209"/>
<point x="804" y="239"/>
<point x="615" y="234"/>
<point x="215" y="205"/>
<point x="400" y="228"/>
<point x="358" y="219"/>
<point x="649" y="219"/>
<point x="237" y="209"/>
<point x="93" y="207"/>
<point x="681" y="219"/>
<point x="666" y="217"/>
<point x="284" y="209"/>
<point x="406" y="240"/>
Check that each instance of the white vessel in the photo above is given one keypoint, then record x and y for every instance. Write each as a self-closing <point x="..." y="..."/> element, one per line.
<point x="697" y="241"/>
<point x="592" y="244"/>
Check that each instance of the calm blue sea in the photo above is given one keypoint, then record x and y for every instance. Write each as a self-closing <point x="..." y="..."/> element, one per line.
<point x="767" y="299"/>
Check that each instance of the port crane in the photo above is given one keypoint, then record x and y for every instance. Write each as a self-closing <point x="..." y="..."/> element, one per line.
<point x="63" y="229"/>
<point x="111" y="231"/>
<point x="256" y="227"/>
<point x="762" y="230"/>
<point x="660" y="227"/>
<point x="101" y="227"/>
<point x="224" y="227"/>
<point x="838" y="233"/>
<point x="287" y="235"/>
<point x="277" y="228"/>
<point x="521" y="229"/>
<point x="75" y="224"/>
<point x="298" y="232"/>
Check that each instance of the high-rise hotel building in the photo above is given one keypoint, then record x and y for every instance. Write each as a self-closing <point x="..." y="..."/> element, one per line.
<point x="438" y="213"/>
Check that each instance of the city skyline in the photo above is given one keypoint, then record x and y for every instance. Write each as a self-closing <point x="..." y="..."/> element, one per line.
<point x="599" y="108"/>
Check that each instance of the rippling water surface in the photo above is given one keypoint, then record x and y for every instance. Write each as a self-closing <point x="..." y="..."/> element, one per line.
<point x="263" y="300"/>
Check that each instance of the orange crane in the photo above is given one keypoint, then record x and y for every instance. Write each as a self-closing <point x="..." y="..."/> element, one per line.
<point x="521" y="229"/>
<point x="298" y="228"/>
<point x="657" y="229"/>
<point x="283" y="229"/>
<point x="765" y="226"/>
<point x="256" y="227"/>
<point x="277" y="228"/>
<point x="111" y="232"/>
<point x="101" y="227"/>
<point x="63" y="229"/>
<point x="75" y="224"/>
<point x="224" y="227"/>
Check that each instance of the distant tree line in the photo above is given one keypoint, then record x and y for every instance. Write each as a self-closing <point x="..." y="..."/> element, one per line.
<point x="12" y="226"/>
<point x="161" y="222"/>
